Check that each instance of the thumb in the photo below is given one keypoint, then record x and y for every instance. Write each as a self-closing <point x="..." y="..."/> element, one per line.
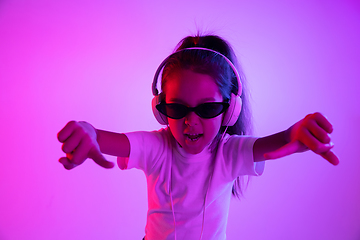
<point x="287" y="149"/>
<point x="331" y="157"/>
<point x="99" y="159"/>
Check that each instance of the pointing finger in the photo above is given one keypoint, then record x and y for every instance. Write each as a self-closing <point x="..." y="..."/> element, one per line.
<point x="98" y="158"/>
<point x="331" y="157"/>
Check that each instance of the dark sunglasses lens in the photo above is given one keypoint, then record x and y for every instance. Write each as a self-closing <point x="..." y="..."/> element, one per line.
<point x="205" y="110"/>
<point x="176" y="111"/>
<point x="210" y="110"/>
<point x="172" y="110"/>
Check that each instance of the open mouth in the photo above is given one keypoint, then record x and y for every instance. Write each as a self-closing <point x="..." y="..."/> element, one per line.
<point x="193" y="137"/>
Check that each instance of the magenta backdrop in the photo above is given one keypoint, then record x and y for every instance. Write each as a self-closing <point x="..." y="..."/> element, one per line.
<point x="94" y="60"/>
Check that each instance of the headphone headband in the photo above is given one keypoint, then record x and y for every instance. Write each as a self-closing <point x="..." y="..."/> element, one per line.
<point x="155" y="91"/>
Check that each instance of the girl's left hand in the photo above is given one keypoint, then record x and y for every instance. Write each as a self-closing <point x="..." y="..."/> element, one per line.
<point x="312" y="132"/>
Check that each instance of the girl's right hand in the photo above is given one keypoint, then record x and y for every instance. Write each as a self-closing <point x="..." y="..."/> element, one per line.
<point x="310" y="133"/>
<point x="79" y="143"/>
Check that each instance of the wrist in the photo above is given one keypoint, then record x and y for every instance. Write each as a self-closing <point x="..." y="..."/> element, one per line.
<point x="287" y="134"/>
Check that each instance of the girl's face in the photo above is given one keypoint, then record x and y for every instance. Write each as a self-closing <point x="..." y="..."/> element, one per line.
<point x="189" y="88"/>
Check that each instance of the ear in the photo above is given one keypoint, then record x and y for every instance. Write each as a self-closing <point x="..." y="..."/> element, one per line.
<point x="232" y="113"/>
<point x="161" y="118"/>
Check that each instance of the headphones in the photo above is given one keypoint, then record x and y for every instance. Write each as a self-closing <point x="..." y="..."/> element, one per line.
<point x="232" y="113"/>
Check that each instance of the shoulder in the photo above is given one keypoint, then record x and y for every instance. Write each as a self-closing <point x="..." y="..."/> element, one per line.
<point x="148" y="149"/>
<point x="237" y="153"/>
<point x="230" y="142"/>
<point x="236" y="148"/>
<point x="161" y="135"/>
<point x="233" y="147"/>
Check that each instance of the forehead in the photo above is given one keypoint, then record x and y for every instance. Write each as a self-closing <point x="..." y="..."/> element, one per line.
<point x="190" y="87"/>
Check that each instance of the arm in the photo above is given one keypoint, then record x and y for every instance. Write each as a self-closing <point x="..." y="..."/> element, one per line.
<point x="312" y="132"/>
<point x="268" y="144"/>
<point x="114" y="144"/>
<point x="81" y="141"/>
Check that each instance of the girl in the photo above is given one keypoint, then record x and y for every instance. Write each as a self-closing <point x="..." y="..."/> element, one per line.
<point x="194" y="164"/>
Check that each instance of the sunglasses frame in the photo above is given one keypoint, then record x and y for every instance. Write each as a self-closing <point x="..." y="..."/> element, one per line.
<point x="161" y="107"/>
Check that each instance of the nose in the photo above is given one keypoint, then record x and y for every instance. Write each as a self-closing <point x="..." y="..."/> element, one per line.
<point x="191" y="119"/>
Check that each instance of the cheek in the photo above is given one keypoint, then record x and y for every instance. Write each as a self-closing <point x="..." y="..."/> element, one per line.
<point x="213" y="126"/>
<point x="175" y="126"/>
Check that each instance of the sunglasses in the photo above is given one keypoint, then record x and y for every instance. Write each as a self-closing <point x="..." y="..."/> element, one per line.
<point x="204" y="110"/>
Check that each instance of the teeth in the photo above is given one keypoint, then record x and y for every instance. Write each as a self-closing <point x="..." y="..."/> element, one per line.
<point x="193" y="137"/>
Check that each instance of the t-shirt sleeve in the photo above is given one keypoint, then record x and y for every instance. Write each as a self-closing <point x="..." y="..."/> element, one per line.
<point x="238" y="156"/>
<point x="146" y="150"/>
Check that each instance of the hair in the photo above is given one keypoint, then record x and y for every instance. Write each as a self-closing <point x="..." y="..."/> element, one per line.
<point x="213" y="64"/>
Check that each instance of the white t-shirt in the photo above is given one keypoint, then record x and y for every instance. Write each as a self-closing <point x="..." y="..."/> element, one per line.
<point x="179" y="183"/>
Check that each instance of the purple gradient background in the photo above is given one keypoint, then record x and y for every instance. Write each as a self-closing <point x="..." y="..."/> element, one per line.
<point x="94" y="61"/>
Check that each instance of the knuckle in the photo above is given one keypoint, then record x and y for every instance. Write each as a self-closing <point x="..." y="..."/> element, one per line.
<point x="60" y="136"/>
<point x="309" y="117"/>
<point x="72" y="123"/>
<point x="316" y="148"/>
<point x="317" y="114"/>
<point x="63" y="134"/>
<point x="65" y="148"/>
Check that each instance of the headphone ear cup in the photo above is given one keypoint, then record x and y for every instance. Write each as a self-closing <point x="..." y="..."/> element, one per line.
<point x="161" y="118"/>
<point x="232" y="113"/>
